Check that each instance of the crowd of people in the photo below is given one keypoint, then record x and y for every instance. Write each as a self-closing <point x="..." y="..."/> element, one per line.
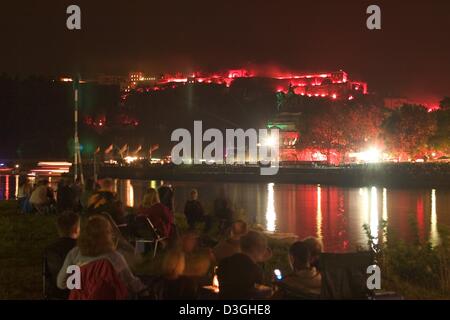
<point x="41" y="197"/>
<point x="97" y="235"/>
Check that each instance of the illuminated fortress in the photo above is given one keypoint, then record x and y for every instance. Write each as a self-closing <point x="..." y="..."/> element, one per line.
<point x="334" y="85"/>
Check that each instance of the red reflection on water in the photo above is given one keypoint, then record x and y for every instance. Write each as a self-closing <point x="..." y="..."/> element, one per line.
<point x="7" y="188"/>
<point x="314" y="211"/>
<point x="420" y="218"/>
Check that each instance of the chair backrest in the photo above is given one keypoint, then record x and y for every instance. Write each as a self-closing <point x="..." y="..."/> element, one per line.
<point x="99" y="281"/>
<point x="344" y="275"/>
<point x="106" y="215"/>
<point x="144" y="229"/>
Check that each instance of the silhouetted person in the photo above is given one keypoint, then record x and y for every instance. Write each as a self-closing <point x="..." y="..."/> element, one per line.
<point x="43" y="198"/>
<point x="88" y="191"/>
<point x="315" y="248"/>
<point x="240" y="274"/>
<point x="304" y="278"/>
<point x="24" y="193"/>
<point x="105" y="200"/>
<point x="68" y="225"/>
<point x="65" y="196"/>
<point x="165" y="193"/>
<point x="193" y="210"/>
<point x="223" y="211"/>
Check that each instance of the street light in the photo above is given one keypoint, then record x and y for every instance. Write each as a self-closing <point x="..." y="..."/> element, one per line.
<point x="77" y="154"/>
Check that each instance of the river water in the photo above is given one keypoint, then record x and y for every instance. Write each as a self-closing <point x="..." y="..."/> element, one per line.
<point x="333" y="214"/>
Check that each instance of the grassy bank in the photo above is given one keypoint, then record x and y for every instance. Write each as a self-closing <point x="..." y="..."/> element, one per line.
<point x="22" y="241"/>
<point x="417" y="270"/>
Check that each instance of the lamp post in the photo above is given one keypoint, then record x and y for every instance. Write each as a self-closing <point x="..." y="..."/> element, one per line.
<point x="77" y="172"/>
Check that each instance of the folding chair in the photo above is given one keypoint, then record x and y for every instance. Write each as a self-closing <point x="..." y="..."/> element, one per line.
<point x="145" y="232"/>
<point x="344" y="275"/>
<point x="116" y="227"/>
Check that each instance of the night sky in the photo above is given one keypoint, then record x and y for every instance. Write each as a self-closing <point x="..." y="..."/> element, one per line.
<point x="410" y="56"/>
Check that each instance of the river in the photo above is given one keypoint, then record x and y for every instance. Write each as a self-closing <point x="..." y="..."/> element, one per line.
<point x="333" y="214"/>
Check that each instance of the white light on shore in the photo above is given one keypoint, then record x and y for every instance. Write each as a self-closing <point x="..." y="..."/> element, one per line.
<point x="130" y="159"/>
<point x="370" y="155"/>
<point x="129" y="190"/>
<point x="270" y="141"/>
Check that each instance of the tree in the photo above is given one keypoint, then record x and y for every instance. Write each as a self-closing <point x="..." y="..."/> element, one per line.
<point x="340" y="126"/>
<point x="321" y="127"/>
<point x="407" y="130"/>
<point x="445" y="103"/>
<point x="441" y="139"/>
<point x="361" y="125"/>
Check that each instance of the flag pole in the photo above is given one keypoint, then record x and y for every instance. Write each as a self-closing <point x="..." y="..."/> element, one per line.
<point x="77" y="155"/>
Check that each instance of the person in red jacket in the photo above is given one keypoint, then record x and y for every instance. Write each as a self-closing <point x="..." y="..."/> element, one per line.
<point x="97" y="244"/>
<point x="160" y="216"/>
<point x="100" y="282"/>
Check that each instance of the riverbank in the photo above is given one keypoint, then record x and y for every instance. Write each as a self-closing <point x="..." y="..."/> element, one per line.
<point x="22" y="242"/>
<point x="409" y="175"/>
<point x="415" y="271"/>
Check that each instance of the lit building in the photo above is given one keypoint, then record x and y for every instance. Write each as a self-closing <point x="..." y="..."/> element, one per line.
<point x="139" y="79"/>
<point x="289" y="134"/>
<point x="286" y="123"/>
<point x="136" y="76"/>
<point x="332" y="85"/>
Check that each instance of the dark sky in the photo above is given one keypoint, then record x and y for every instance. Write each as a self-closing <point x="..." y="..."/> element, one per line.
<point x="409" y="56"/>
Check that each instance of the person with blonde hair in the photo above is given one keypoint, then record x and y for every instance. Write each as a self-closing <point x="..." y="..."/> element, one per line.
<point x="240" y="275"/>
<point x="174" y="283"/>
<point x="173" y="264"/>
<point x="96" y="242"/>
<point x="232" y="244"/>
<point x="159" y="214"/>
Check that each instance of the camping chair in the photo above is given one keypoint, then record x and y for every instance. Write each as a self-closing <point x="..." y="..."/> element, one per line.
<point x="145" y="232"/>
<point x="118" y="228"/>
<point x="344" y="275"/>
